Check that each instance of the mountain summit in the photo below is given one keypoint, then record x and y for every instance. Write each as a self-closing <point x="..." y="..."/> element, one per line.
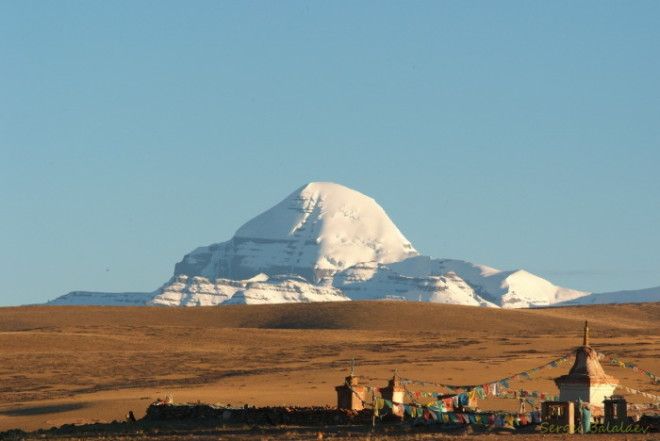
<point x="325" y="242"/>
<point x="318" y="230"/>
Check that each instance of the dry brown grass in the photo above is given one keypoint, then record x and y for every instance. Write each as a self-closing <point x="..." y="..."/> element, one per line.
<point x="82" y="364"/>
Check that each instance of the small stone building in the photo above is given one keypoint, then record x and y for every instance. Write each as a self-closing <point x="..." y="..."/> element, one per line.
<point x="351" y="395"/>
<point x="616" y="410"/>
<point x="560" y="414"/>
<point x="395" y="393"/>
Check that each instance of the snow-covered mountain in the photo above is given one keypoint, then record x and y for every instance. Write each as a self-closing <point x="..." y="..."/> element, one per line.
<point x="326" y="242"/>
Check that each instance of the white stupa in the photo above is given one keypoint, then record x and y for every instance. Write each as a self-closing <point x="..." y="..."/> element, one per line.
<point x="586" y="381"/>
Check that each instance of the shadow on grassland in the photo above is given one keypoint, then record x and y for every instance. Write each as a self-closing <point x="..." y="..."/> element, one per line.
<point x="39" y="410"/>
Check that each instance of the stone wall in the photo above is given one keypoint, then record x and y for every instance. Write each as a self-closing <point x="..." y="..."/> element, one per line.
<point x="303" y="416"/>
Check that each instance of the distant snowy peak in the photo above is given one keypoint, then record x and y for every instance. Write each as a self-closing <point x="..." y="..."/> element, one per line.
<point x="524" y="290"/>
<point x="318" y="230"/>
<point x="92" y="298"/>
<point x="630" y="296"/>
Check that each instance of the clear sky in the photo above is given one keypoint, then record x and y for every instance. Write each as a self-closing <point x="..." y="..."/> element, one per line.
<point x="515" y="134"/>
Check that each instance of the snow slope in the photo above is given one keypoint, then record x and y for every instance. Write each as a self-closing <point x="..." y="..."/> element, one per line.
<point x="509" y="289"/>
<point x="372" y="281"/>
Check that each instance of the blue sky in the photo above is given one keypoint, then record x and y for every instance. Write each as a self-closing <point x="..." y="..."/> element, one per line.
<point x="515" y="134"/>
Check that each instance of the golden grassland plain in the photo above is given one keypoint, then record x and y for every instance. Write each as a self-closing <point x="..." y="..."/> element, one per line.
<point x="63" y="365"/>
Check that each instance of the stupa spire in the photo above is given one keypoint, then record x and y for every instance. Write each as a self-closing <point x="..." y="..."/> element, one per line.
<point x="585" y="339"/>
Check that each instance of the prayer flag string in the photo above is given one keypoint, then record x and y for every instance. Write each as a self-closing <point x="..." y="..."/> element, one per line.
<point x="639" y="392"/>
<point x="617" y="362"/>
<point x="503" y="382"/>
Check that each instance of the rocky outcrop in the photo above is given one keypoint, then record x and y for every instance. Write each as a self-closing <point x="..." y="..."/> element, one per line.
<point x="184" y="290"/>
<point x="286" y="289"/>
<point x="199" y="291"/>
